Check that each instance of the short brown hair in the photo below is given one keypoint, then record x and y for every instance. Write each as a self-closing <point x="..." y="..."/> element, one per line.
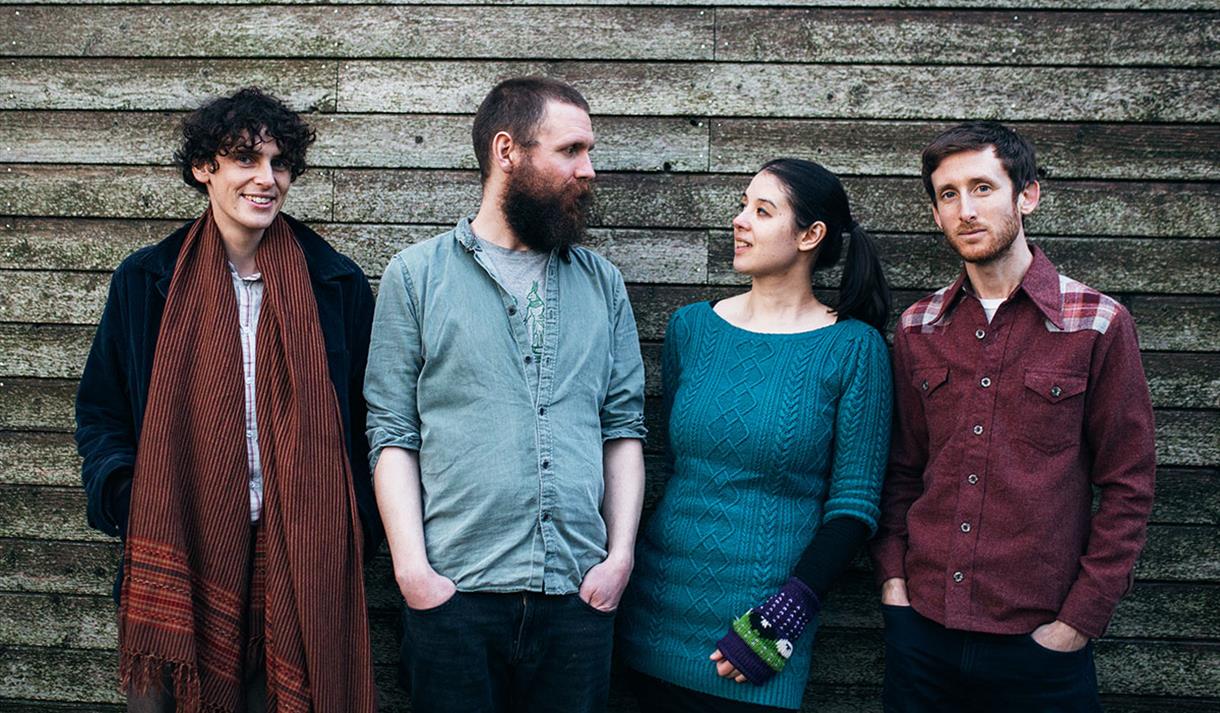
<point x="516" y="106"/>
<point x="1015" y="153"/>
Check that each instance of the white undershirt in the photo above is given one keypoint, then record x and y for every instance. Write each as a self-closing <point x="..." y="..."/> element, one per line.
<point x="990" y="306"/>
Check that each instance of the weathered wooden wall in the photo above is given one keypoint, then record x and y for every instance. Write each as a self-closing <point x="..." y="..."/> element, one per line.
<point x="1122" y="99"/>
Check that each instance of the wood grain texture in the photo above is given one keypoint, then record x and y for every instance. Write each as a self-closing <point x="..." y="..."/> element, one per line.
<point x="306" y="85"/>
<point x="361" y="31"/>
<point x="808" y="91"/>
<point x="935" y="37"/>
<point x="1064" y="150"/>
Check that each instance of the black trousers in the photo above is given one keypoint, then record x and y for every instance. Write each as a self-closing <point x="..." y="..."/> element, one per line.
<point x="524" y="652"/>
<point x="657" y="696"/>
<point x="931" y="669"/>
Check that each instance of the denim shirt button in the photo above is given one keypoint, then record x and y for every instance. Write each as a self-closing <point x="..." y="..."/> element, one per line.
<point x="529" y="359"/>
<point x="542" y="410"/>
<point x="546" y="464"/>
<point x="512" y="310"/>
<point x="546" y="517"/>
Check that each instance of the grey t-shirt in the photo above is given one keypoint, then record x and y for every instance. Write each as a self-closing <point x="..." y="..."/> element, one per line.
<point x="523" y="274"/>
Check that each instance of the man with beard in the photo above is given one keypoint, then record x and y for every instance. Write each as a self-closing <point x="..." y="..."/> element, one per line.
<point x="1017" y="391"/>
<point x="505" y="392"/>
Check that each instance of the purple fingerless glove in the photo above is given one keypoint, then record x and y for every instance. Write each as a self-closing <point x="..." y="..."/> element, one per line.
<point x="760" y="641"/>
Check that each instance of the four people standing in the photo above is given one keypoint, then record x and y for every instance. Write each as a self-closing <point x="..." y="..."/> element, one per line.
<point x="505" y="419"/>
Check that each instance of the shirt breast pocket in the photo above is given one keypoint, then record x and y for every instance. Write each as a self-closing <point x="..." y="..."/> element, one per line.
<point x="932" y="383"/>
<point x="1052" y="409"/>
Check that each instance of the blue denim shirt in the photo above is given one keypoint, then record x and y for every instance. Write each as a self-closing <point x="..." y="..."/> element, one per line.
<point x="512" y="485"/>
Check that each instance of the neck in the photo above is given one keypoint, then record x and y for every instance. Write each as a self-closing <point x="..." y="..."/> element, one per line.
<point x="780" y="298"/>
<point x="240" y="250"/>
<point x="491" y="225"/>
<point x="998" y="278"/>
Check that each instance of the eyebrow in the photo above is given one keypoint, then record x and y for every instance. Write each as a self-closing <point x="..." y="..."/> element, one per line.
<point x="763" y="200"/>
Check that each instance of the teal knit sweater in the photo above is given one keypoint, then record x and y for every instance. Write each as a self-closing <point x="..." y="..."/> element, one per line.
<point x="770" y="435"/>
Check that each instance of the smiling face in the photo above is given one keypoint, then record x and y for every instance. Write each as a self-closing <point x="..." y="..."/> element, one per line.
<point x="766" y="239"/>
<point x="247" y="187"/>
<point x="977" y="208"/>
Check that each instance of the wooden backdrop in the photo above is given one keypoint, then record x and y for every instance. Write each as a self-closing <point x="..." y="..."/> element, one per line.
<point x="1121" y="98"/>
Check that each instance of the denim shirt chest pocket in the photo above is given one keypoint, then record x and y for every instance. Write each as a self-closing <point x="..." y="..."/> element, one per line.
<point x="1052" y="409"/>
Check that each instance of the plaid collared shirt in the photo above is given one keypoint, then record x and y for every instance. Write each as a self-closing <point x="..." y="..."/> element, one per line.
<point x="1003" y="428"/>
<point x="249" y="291"/>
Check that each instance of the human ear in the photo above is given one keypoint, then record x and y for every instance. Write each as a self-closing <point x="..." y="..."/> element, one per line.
<point x="1028" y="198"/>
<point x="502" y="146"/>
<point x="201" y="172"/>
<point x="810" y="238"/>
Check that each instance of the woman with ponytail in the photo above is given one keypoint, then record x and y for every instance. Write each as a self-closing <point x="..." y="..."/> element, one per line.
<point x="778" y="408"/>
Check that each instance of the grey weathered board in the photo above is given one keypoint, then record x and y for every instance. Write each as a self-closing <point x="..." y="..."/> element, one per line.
<point x="1121" y="98"/>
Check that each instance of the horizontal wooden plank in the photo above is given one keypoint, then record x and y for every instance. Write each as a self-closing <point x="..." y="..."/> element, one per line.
<point x="1071" y="150"/>
<point x="59" y="351"/>
<point x="626" y="200"/>
<point x="842" y="657"/>
<point x="660" y="256"/>
<point x="935" y="37"/>
<point x="344" y="140"/>
<point x="808" y="91"/>
<point x="362" y="31"/>
<point x="86" y="568"/>
<point x="1180" y="553"/>
<point x="1111" y="265"/>
<point x="1177" y="323"/>
<point x="1082" y="151"/>
<point x="1115" y="265"/>
<point x="306" y="85"/>
<point x="47" y="459"/>
<point x="1014" y="4"/>
<point x="1165" y="323"/>
<point x="710" y="201"/>
<point x="133" y="192"/>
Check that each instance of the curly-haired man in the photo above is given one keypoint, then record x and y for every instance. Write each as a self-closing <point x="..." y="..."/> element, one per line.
<point x="220" y="419"/>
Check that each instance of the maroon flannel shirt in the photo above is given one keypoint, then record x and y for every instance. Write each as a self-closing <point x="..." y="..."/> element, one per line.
<point x="1001" y="430"/>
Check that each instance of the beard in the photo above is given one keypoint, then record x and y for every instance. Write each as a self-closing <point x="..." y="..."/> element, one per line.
<point x="543" y="218"/>
<point x="1001" y="237"/>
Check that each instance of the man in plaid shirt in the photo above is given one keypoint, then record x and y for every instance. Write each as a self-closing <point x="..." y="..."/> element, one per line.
<point x="1017" y="392"/>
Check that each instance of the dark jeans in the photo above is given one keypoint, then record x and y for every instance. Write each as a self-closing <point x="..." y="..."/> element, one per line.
<point x="931" y="669"/>
<point x="493" y="653"/>
<point x="657" y="696"/>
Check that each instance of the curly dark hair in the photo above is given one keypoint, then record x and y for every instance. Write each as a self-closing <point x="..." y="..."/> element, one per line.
<point x="235" y="122"/>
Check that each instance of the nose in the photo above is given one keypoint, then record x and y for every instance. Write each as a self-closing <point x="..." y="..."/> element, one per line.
<point x="584" y="169"/>
<point x="968" y="210"/>
<point x="264" y="174"/>
<point x="740" y="220"/>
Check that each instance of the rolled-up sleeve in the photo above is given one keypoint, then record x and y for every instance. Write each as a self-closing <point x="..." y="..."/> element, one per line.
<point x="622" y="412"/>
<point x="395" y="360"/>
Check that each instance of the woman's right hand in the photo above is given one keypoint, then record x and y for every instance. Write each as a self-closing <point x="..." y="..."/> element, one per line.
<point x="425" y="589"/>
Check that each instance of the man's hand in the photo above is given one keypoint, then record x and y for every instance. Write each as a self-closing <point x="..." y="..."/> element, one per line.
<point x="894" y="592"/>
<point x="604" y="584"/>
<point x="425" y="589"/>
<point x="1060" y="637"/>
<point x="725" y="668"/>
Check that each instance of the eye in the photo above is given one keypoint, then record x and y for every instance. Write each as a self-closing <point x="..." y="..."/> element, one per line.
<point x="279" y="164"/>
<point x="762" y="211"/>
<point x="244" y="159"/>
<point x="983" y="188"/>
<point x="572" y="150"/>
<point x="948" y="195"/>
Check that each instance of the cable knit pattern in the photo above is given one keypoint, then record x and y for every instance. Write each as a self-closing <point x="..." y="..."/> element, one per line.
<point x="770" y="435"/>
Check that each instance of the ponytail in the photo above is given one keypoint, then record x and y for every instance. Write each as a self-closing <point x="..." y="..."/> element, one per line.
<point x="864" y="293"/>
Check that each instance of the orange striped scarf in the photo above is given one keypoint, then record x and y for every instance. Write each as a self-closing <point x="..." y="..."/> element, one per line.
<point x="189" y="611"/>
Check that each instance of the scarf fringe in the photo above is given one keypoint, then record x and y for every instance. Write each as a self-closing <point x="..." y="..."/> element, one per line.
<point x="144" y="673"/>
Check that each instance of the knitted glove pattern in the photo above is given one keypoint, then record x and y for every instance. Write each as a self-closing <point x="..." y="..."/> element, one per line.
<point x="760" y="641"/>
